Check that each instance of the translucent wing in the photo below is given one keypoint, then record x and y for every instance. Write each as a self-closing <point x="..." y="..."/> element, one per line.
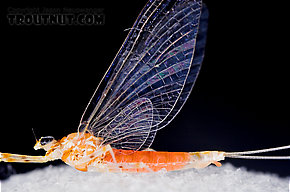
<point x="156" y="62"/>
<point x="193" y="72"/>
<point x="131" y="127"/>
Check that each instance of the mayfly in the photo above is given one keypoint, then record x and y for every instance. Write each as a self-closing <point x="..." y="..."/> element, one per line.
<point x="144" y="88"/>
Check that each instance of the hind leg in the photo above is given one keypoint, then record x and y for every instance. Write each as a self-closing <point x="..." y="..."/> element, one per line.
<point x="205" y="158"/>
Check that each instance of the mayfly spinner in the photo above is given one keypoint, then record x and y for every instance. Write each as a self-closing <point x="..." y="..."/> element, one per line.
<point x="143" y="90"/>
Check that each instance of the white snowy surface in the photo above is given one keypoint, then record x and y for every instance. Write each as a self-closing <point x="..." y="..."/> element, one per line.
<point x="225" y="178"/>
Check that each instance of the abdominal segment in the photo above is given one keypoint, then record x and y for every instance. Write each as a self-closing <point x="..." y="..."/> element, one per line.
<point x="145" y="161"/>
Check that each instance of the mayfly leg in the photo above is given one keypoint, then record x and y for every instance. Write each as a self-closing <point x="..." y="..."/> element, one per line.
<point x="8" y="157"/>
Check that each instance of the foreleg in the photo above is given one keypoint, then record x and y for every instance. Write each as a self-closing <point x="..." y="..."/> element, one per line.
<point x="8" y="157"/>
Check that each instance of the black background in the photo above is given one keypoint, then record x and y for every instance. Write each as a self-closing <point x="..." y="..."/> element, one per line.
<point x="240" y="100"/>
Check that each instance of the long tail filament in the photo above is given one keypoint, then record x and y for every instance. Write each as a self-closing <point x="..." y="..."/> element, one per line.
<point x="245" y="154"/>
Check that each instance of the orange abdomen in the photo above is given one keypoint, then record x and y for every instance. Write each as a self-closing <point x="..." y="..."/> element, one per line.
<point x="134" y="161"/>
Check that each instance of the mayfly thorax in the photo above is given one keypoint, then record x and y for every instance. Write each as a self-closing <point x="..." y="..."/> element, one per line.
<point x="144" y="88"/>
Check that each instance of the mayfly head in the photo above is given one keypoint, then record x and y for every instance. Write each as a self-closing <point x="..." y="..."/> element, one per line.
<point x="44" y="143"/>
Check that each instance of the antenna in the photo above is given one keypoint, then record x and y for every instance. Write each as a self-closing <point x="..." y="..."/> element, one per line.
<point x="34" y="135"/>
<point x="245" y="154"/>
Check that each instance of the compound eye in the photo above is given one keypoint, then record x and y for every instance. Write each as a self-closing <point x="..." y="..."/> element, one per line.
<point x="46" y="140"/>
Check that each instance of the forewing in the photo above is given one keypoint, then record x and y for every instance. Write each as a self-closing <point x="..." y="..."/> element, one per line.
<point x="131" y="127"/>
<point x="154" y="62"/>
<point x="189" y="83"/>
